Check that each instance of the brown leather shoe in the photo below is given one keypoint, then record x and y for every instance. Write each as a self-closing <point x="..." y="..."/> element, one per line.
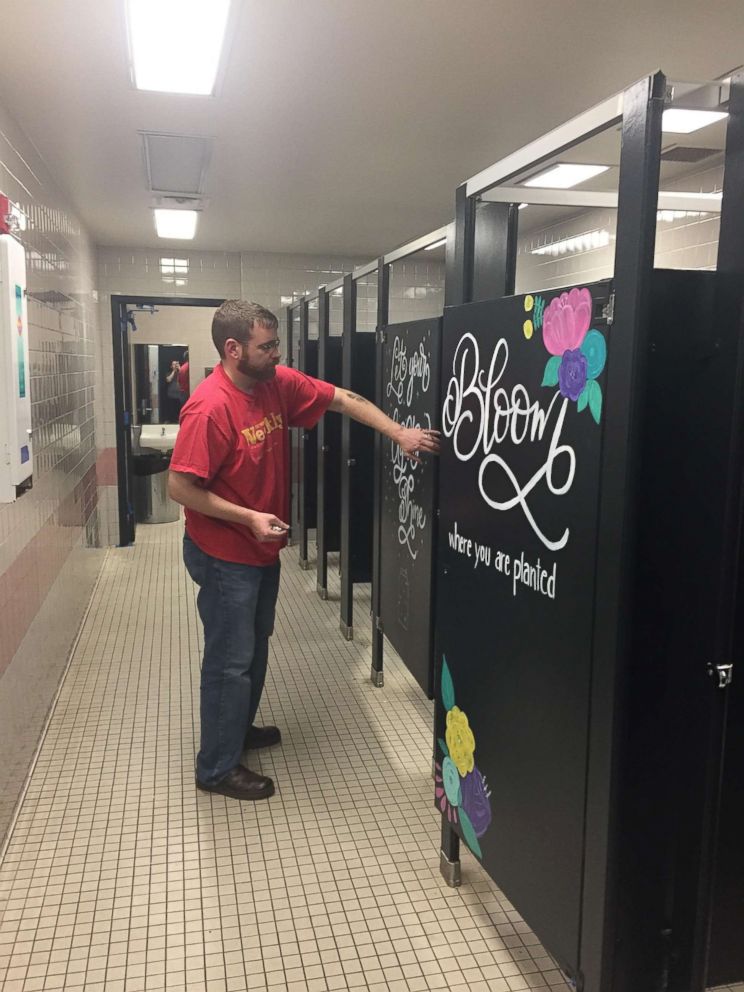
<point x="258" y="737"/>
<point x="241" y="783"/>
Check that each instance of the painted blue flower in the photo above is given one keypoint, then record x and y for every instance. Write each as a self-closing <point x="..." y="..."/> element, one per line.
<point x="451" y="779"/>
<point x="594" y="349"/>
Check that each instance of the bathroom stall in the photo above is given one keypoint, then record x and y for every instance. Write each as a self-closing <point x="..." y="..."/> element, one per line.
<point x="328" y="516"/>
<point x="306" y="446"/>
<point x="357" y="443"/>
<point x="588" y="709"/>
<point x="410" y="303"/>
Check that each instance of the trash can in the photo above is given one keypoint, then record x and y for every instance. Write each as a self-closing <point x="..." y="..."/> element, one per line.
<point x="152" y="504"/>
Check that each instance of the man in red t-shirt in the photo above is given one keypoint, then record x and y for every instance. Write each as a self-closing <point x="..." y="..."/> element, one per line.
<point x="230" y="469"/>
<point x="183" y="375"/>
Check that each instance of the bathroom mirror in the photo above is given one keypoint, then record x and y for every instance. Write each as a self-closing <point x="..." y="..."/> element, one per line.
<point x="158" y="389"/>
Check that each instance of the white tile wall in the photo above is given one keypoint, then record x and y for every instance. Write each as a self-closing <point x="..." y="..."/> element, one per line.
<point x="275" y="280"/>
<point x="44" y="530"/>
<point x="416" y="288"/>
<point x="685" y="243"/>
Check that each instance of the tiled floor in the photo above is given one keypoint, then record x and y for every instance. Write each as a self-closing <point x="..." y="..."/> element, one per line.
<point x="119" y="876"/>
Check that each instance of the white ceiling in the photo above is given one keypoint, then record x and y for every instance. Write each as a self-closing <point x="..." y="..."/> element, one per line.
<point x="340" y="126"/>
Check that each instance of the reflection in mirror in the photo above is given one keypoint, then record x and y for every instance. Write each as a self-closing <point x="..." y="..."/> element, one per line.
<point x="161" y="382"/>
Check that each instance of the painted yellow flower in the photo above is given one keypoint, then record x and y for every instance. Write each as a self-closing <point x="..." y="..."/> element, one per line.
<point x="460" y="740"/>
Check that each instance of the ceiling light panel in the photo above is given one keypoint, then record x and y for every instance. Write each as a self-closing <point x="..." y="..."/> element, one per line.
<point x="176" y="163"/>
<point x="565" y="175"/>
<point x="176" y="224"/>
<point x="675" y="120"/>
<point x="589" y="241"/>
<point x="176" y="45"/>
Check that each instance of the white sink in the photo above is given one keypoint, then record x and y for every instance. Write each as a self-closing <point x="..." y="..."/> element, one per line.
<point x="160" y="436"/>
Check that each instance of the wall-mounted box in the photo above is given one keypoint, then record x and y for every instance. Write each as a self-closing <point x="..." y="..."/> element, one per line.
<point x="16" y="457"/>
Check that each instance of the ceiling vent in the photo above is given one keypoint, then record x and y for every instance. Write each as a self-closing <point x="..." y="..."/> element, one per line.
<point x="682" y="153"/>
<point x="178" y="202"/>
<point x="176" y="164"/>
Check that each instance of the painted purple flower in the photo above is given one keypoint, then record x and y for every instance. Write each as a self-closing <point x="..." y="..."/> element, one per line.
<point x="572" y="374"/>
<point x="566" y="321"/>
<point x="475" y="800"/>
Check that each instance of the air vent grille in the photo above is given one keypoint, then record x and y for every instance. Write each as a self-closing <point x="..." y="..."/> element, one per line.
<point x="176" y="163"/>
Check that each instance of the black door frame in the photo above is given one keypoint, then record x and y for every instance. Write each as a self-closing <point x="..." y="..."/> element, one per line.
<point x="123" y="393"/>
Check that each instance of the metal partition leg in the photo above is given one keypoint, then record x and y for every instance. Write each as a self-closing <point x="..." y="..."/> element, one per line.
<point x="347" y="607"/>
<point x="377" y="675"/>
<point x="449" y="855"/>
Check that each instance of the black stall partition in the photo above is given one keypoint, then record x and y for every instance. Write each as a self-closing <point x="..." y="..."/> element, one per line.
<point x="357" y="462"/>
<point x="306" y="450"/>
<point x="328" y="530"/>
<point x="410" y="394"/>
<point x="292" y="331"/>
<point x="526" y="714"/>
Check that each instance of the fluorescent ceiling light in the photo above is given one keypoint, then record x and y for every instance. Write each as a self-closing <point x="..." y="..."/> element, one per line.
<point x="668" y="216"/>
<point x="176" y="44"/>
<point x="565" y="175"/>
<point x="678" y="121"/>
<point x="437" y="244"/>
<point x="179" y="224"/>
<point x="582" y="242"/>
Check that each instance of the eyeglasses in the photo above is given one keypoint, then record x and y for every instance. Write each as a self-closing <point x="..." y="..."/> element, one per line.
<point x="269" y="346"/>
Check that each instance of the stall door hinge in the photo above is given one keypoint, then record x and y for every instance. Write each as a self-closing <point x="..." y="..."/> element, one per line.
<point x="608" y="310"/>
<point x="381" y="337"/>
<point x="725" y="674"/>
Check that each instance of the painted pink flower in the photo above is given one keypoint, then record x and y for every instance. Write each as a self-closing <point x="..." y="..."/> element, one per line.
<point x="566" y="321"/>
<point x="440" y="796"/>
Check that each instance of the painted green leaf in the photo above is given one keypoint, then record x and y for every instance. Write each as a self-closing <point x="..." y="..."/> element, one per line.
<point x="468" y="833"/>
<point x="550" y="375"/>
<point x="594" y="349"/>
<point x="448" y="689"/>
<point x="445" y="749"/>
<point x="595" y="399"/>
<point x="583" y="399"/>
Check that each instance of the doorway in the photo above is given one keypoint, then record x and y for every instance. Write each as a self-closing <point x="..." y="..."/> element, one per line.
<point x="141" y="390"/>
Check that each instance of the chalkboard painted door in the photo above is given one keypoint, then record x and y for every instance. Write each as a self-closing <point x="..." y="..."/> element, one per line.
<point x="522" y="382"/>
<point x="410" y="380"/>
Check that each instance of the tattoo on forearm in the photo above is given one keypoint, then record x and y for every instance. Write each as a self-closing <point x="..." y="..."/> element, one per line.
<point x="354" y="396"/>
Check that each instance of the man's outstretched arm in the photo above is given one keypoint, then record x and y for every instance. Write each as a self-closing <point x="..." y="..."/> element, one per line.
<point x="412" y="440"/>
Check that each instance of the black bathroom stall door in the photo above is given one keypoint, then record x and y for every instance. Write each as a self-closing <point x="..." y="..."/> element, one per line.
<point x="410" y="377"/>
<point x="518" y="496"/>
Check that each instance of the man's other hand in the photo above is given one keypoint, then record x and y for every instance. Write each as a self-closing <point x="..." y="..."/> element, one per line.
<point x="267" y="527"/>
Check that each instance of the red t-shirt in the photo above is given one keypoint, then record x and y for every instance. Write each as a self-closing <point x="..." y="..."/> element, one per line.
<point x="239" y="443"/>
<point x="183" y="378"/>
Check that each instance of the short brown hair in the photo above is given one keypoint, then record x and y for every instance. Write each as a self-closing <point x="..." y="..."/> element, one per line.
<point x="235" y="319"/>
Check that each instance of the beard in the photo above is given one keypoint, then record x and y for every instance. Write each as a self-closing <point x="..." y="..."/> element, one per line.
<point x="263" y="374"/>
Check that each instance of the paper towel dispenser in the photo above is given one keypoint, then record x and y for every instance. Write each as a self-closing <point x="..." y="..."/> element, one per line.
<point x="16" y="454"/>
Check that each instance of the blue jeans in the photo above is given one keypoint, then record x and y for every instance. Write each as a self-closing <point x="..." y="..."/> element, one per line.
<point x="236" y="605"/>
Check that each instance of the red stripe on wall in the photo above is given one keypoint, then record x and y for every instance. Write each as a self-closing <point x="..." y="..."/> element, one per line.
<point x="26" y="582"/>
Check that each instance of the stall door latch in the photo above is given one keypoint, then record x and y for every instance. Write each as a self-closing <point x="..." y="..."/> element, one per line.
<point x="725" y="674"/>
